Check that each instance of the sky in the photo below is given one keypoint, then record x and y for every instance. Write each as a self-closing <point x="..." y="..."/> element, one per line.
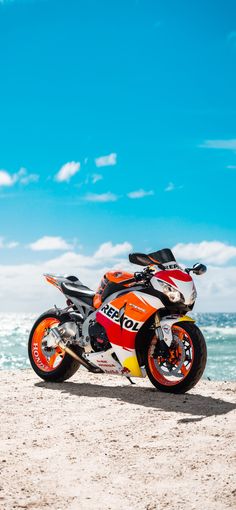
<point x="117" y="134"/>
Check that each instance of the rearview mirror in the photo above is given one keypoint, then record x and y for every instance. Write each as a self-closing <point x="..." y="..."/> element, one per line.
<point x="199" y="268"/>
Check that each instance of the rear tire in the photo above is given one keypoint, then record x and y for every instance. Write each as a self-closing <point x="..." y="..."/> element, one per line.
<point x="197" y="365"/>
<point x="67" y="366"/>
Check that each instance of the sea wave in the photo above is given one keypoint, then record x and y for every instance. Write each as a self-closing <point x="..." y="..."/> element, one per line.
<point x="219" y="331"/>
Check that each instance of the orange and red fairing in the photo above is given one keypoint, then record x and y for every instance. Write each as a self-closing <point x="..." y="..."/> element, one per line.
<point x="124" y="316"/>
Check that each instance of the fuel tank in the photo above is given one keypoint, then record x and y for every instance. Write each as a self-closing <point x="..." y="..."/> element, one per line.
<point x="112" y="281"/>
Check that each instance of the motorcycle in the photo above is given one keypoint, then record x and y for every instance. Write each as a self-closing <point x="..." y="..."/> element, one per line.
<point x="134" y="325"/>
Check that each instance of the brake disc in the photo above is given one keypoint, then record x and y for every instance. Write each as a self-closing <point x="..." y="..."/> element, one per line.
<point x="174" y="370"/>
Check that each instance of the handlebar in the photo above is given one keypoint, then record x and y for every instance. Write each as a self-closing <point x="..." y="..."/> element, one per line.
<point x="140" y="276"/>
<point x="147" y="273"/>
<point x="144" y="275"/>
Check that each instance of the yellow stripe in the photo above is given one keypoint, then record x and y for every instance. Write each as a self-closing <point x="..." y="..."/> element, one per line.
<point x="186" y="318"/>
<point x="132" y="364"/>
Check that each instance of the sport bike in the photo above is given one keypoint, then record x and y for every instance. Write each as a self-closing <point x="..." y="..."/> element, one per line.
<point x="134" y="325"/>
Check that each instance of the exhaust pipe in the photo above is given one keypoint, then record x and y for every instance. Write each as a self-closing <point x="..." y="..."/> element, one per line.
<point x="85" y="364"/>
<point x="71" y="353"/>
<point x="54" y="339"/>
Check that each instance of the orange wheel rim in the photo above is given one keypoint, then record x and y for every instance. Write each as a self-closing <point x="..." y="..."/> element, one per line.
<point x="173" y="369"/>
<point x="45" y="361"/>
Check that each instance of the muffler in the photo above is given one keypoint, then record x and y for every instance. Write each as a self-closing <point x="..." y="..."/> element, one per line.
<point x="67" y="330"/>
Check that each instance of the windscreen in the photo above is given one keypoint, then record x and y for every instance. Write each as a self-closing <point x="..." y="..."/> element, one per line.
<point x="162" y="256"/>
<point x="157" y="257"/>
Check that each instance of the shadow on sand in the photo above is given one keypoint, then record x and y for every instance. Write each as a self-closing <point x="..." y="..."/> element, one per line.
<point x="197" y="405"/>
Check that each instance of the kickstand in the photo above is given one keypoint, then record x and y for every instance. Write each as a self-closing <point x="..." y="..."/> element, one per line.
<point x="130" y="380"/>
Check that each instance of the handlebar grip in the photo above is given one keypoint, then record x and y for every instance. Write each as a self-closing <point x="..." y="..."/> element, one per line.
<point x="139" y="277"/>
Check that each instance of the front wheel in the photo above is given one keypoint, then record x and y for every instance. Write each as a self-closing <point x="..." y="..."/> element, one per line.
<point x="179" y="369"/>
<point x="53" y="365"/>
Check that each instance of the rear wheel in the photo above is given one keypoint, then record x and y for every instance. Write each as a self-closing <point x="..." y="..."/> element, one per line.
<point x="181" y="368"/>
<point x="50" y="364"/>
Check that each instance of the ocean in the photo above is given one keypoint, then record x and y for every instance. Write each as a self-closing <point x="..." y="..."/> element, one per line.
<point x="219" y="331"/>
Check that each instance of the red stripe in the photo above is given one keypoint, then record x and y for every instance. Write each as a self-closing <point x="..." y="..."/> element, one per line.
<point x="167" y="276"/>
<point x="117" y="335"/>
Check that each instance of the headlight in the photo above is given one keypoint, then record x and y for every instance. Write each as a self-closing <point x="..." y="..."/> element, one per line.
<point x="173" y="294"/>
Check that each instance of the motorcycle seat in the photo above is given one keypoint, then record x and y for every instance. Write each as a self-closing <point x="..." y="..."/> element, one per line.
<point x="78" y="291"/>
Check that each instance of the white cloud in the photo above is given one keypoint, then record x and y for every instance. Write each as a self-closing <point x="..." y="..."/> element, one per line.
<point x="216" y="288"/>
<point x="219" y="144"/>
<point x="170" y="187"/>
<point x="67" y="171"/>
<point x="96" y="178"/>
<point x="106" y="253"/>
<point x="39" y="296"/>
<point x="50" y="243"/>
<point x="10" y="244"/>
<point x="22" y="176"/>
<point x="102" y="197"/>
<point x="213" y="252"/>
<point x="6" y="179"/>
<point x="140" y="194"/>
<point x="109" y="160"/>
<point x="108" y="250"/>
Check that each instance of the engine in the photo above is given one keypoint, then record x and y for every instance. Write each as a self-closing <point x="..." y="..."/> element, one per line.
<point x="98" y="337"/>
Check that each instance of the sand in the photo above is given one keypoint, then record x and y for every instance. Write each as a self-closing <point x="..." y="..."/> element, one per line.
<point x="96" y="442"/>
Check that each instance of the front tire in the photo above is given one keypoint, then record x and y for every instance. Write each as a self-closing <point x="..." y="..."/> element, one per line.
<point x="183" y="367"/>
<point x="55" y="365"/>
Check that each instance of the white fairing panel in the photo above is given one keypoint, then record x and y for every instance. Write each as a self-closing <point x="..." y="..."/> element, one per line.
<point x="187" y="289"/>
<point x="106" y="362"/>
<point x="153" y="301"/>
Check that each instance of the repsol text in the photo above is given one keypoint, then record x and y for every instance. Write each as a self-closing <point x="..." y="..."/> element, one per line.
<point x="126" y="323"/>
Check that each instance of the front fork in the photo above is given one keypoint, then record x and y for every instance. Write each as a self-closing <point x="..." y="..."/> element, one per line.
<point x="163" y="327"/>
<point x="159" y="338"/>
<point x="158" y="328"/>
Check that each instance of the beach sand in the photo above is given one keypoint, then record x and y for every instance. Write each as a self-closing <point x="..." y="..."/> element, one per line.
<point x="96" y="442"/>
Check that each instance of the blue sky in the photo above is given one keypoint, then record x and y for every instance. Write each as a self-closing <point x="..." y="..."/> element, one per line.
<point x="146" y="85"/>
